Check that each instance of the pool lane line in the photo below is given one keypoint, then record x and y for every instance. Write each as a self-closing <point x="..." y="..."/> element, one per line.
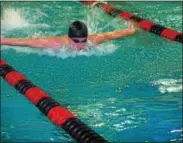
<point x="59" y="115"/>
<point x="144" y="24"/>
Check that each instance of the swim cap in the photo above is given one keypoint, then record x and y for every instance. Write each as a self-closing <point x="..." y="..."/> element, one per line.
<point x="78" y="30"/>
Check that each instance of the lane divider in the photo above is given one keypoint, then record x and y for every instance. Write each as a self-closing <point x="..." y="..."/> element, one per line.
<point x="59" y="115"/>
<point x="142" y="23"/>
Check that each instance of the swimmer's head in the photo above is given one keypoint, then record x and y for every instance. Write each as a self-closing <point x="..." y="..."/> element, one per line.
<point x="78" y="30"/>
<point x="78" y="33"/>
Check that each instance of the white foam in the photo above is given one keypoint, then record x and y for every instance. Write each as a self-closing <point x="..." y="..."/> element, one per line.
<point x="52" y="139"/>
<point x="173" y="140"/>
<point x="13" y="18"/>
<point x="167" y="81"/>
<point x="173" y="131"/>
<point x="123" y="125"/>
<point x="169" y="85"/>
<point x="99" y="125"/>
<point x="66" y="52"/>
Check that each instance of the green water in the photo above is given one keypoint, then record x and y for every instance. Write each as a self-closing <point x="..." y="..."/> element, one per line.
<point x="126" y="90"/>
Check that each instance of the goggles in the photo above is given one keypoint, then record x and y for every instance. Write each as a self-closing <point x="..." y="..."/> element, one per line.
<point x="79" y="40"/>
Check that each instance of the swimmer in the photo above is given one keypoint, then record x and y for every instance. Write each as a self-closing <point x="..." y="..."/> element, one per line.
<point x="77" y="38"/>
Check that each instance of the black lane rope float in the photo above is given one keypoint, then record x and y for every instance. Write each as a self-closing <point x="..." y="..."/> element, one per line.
<point x="142" y="23"/>
<point x="59" y="115"/>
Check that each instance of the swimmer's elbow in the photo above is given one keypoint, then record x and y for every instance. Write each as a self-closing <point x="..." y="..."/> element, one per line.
<point x="122" y="33"/>
<point x="132" y="31"/>
<point x="126" y="32"/>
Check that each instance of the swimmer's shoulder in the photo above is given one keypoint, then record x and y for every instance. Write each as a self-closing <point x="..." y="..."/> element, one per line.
<point x="62" y="39"/>
<point x="96" y="38"/>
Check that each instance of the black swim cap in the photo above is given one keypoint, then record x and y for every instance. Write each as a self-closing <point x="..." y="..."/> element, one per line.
<point x="78" y="29"/>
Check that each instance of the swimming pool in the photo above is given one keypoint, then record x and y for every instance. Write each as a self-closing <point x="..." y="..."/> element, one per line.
<point x="127" y="90"/>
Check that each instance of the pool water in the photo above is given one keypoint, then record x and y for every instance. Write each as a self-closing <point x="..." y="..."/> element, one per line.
<point x="127" y="90"/>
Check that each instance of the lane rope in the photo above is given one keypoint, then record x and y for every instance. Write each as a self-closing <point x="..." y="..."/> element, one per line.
<point x="144" y="24"/>
<point x="59" y="115"/>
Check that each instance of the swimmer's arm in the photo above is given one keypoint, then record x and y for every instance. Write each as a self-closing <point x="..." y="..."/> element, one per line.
<point x="103" y="37"/>
<point x="33" y="42"/>
<point x="15" y="41"/>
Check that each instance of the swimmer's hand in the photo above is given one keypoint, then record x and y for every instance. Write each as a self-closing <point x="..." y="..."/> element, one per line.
<point x="103" y="2"/>
<point x="5" y="41"/>
<point x="14" y="42"/>
<point x="133" y="25"/>
<point x="2" y="41"/>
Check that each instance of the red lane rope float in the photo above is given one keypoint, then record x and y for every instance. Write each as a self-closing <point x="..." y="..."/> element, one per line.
<point x="142" y="23"/>
<point x="59" y="115"/>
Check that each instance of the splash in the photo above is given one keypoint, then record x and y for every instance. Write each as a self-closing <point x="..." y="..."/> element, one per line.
<point x="93" y="21"/>
<point x="67" y="52"/>
<point x="169" y="85"/>
<point x="13" y="19"/>
<point x="97" y="21"/>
